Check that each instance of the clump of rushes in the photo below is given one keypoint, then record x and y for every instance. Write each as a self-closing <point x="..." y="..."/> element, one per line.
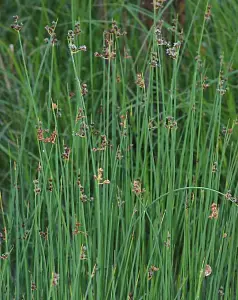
<point x="72" y="34"/>
<point x="16" y="26"/>
<point x="109" y="49"/>
<point x="51" y="31"/>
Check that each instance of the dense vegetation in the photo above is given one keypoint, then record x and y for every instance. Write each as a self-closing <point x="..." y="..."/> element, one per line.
<point x="118" y="150"/>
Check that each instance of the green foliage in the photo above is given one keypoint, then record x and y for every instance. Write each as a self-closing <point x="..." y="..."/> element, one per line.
<point x="119" y="163"/>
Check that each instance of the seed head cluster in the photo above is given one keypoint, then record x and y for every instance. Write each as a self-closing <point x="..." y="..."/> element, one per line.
<point x="16" y="26"/>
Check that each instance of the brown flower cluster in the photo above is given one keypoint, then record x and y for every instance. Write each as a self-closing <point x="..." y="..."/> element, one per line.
<point x="3" y="235"/>
<point x="50" y="184"/>
<point x="222" y="89"/>
<point x="40" y="135"/>
<point x="82" y="130"/>
<point x="71" y="39"/>
<point x="140" y="80"/>
<point x="205" y="84"/>
<point x="208" y="13"/>
<point x="154" y="62"/>
<point x="55" y="280"/>
<point x="4" y="256"/>
<point x="208" y="270"/>
<point x="51" y="31"/>
<point x="83" y="251"/>
<point x="170" y="123"/>
<point x="109" y="50"/>
<point x="84" y="89"/>
<point x="214" y="167"/>
<point x="83" y="196"/>
<point x="104" y="144"/>
<point x="158" y="4"/>
<point x="33" y="286"/>
<point x="16" y="26"/>
<point x="99" y="177"/>
<point x="137" y="188"/>
<point x="171" y="51"/>
<point x="151" y="271"/>
<point x="167" y="243"/>
<point x="77" y="231"/>
<point x="66" y="152"/>
<point x="214" y="211"/>
<point x="80" y="115"/>
<point x="44" y="234"/>
<point x="37" y="188"/>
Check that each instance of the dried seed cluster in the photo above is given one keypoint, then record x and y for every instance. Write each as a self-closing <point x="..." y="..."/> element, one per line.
<point x="154" y="62"/>
<point x="222" y="89"/>
<point x="137" y="188"/>
<point x="52" y="35"/>
<point x="99" y="177"/>
<point x="151" y="271"/>
<point x="158" y="4"/>
<point x="37" y="188"/>
<point x="208" y="13"/>
<point x="171" y="51"/>
<point x="16" y="26"/>
<point x="170" y="123"/>
<point x="71" y="39"/>
<point x="44" y="234"/>
<point x="40" y="135"/>
<point x="140" y="80"/>
<point x="66" y="152"/>
<point x="83" y="251"/>
<point x="207" y="271"/>
<point x="109" y="48"/>
<point x="83" y="196"/>
<point x="104" y="144"/>
<point x="214" y="211"/>
<point x="55" y="280"/>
